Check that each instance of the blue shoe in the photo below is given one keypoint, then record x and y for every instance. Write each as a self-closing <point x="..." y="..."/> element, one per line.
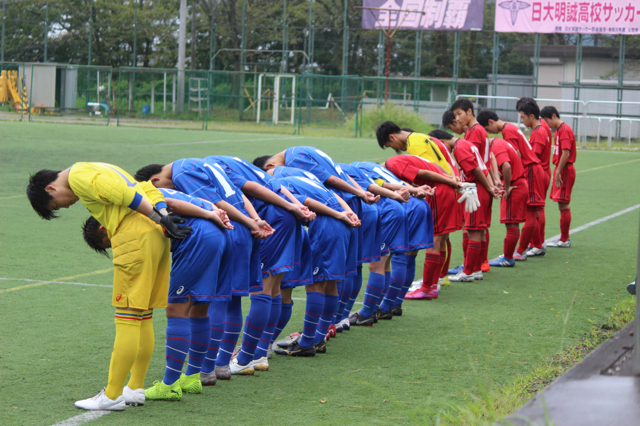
<point x="456" y="270"/>
<point x="502" y="261"/>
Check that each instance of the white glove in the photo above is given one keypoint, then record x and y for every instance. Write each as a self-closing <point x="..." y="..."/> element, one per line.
<point x="470" y="195"/>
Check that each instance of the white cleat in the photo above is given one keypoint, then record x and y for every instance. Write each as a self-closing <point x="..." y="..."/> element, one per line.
<point x="270" y="351"/>
<point x="241" y="370"/>
<point x="133" y="397"/>
<point x="535" y="251"/>
<point x="560" y="243"/>
<point x="415" y="285"/>
<point x="260" y="364"/>
<point x="461" y="277"/>
<point x="102" y="402"/>
<point x="519" y="257"/>
<point x="478" y="275"/>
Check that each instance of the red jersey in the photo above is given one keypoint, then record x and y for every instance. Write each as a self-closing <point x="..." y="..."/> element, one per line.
<point x="541" y="144"/>
<point x="477" y="135"/>
<point x="406" y="167"/>
<point x="505" y="152"/>
<point x="565" y="139"/>
<point x="468" y="158"/>
<point x="447" y="156"/>
<point x="515" y="137"/>
<point x="547" y="128"/>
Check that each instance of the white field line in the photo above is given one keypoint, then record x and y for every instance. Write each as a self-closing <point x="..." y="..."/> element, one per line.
<point x="54" y="282"/>
<point x="595" y="222"/>
<point x="222" y="141"/>
<point x="82" y="418"/>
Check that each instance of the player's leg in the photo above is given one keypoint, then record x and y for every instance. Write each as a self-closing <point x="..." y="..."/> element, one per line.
<point x="374" y="289"/>
<point x="562" y="196"/>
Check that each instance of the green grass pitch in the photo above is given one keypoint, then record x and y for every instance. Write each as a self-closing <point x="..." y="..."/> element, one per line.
<point x="56" y="339"/>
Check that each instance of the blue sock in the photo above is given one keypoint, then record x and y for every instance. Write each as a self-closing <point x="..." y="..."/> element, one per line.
<point x="254" y="326"/>
<point x="398" y="272"/>
<point x="313" y="311"/>
<point x="326" y="318"/>
<point x="217" y="313"/>
<point x="355" y="290"/>
<point x="372" y="294"/>
<point x="285" y="316"/>
<point x="272" y="322"/>
<point x="200" y="333"/>
<point x="232" y="329"/>
<point x="409" y="276"/>
<point x="178" y="335"/>
<point x="345" y="295"/>
<point x="387" y="280"/>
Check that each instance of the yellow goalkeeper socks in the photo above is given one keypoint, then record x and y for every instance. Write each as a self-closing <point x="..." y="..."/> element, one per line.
<point x="125" y="350"/>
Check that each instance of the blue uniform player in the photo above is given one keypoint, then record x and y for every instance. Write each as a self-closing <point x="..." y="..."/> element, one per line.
<point x="208" y="181"/>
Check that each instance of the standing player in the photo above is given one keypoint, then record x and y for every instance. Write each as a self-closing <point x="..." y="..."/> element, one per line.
<point x="564" y="175"/>
<point x="141" y="258"/>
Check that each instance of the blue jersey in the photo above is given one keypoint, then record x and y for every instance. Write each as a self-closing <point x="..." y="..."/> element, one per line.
<point x="177" y="195"/>
<point x="358" y="175"/>
<point x="303" y="187"/>
<point x="206" y="180"/>
<point x="376" y="171"/>
<point x="240" y="172"/>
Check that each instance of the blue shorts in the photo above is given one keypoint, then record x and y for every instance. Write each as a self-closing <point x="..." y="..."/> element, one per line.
<point x="372" y="237"/>
<point x="356" y="206"/>
<point x="196" y="263"/>
<point x="277" y="252"/>
<point x="302" y="274"/>
<point x="419" y="228"/>
<point x="329" y="242"/>
<point x="393" y="220"/>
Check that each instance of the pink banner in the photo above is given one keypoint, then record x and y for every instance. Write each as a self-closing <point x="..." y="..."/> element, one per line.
<point x="559" y="16"/>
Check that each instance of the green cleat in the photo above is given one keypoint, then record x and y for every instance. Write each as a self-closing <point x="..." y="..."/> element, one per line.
<point x="162" y="392"/>
<point x="190" y="384"/>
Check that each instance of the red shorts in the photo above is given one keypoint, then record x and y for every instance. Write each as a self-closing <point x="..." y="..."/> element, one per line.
<point x="547" y="180"/>
<point x="460" y="211"/>
<point x="535" y="180"/>
<point x="563" y="194"/>
<point x="444" y="208"/>
<point x="480" y="220"/>
<point x="514" y="208"/>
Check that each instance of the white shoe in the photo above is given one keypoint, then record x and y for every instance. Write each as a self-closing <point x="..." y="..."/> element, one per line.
<point x="415" y="285"/>
<point x="438" y="287"/>
<point x="519" y="257"/>
<point x="260" y="364"/>
<point x="243" y="370"/>
<point x="478" y="275"/>
<point x="345" y="324"/>
<point x="559" y="243"/>
<point x="535" y="251"/>
<point x="461" y="277"/>
<point x="102" y="402"/>
<point x="134" y="397"/>
<point x="270" y="351"/>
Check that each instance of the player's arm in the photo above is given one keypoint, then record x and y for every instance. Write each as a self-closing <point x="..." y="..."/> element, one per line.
<point x="402" y="195"/>
<point x="506" y="176"/>
<point x="184" y="208"/>
<point x="258" y="191"/>
<point x="337" y="183"/>
<point x="309" y="215"/>
<point x="321" y="209"/>
<point x="494" y="171"/>
<point x="353" y="217"/>
<point x="477" y="172"/>
<point x="243" y="219"/>
<point x="561" y="165"/>
<point x="264" y="227"/>
<point x="437" y="177"/>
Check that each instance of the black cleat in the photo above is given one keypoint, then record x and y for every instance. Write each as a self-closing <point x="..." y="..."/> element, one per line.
<point x="296" y="350"/>
<point x="384" y="315"/>
<point x="375" y="317"/>
<point x="397" y="311"/>
<point x="320" y="347"/>
<point x="289" y="340"/>
<point x="360" y="320"/>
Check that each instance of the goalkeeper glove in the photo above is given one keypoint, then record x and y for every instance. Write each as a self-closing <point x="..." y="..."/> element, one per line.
<point x="470" y="196"/>
<point x="170" y="226"/>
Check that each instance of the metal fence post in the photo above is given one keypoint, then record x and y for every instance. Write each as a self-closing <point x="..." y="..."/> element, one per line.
<point x="416" y="71"/>
<point x="212" y="41"/>
<point x="285" y="38"/>
<point x="345" y="58"/>
<point x="380" y="64"/>
<point x="46" y="31"/>
<point x="494" y="67"/>
<point x="621" y="59"/>
<point x="4" y="13"/>
<point x="536" y="64"/>
<point x="636" y="334"/>
<point x="456" y="62"/>
<point x="576" y="90"/>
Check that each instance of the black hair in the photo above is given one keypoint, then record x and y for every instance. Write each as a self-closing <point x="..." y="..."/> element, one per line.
<point x="441" y="135"/>
<point x="462" y="103"/>
<point x="524" y="100"/>
<point x="145" y="173"/>
<point x="406" y="129"/>
<point x="548" y="111"/>
<point x="384" y="130"/>
<point x="92" y="235"/>
<point x="38" y="195"/>
<point x="486" y="115"/>
<point x="448" y="118"/>
<point x="529" y="108"/>
<point x="261" y="162"/>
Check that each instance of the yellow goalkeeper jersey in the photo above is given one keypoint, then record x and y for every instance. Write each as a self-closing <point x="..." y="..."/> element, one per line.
<point x="110" y="193"/>
<point x="422" y="145"/>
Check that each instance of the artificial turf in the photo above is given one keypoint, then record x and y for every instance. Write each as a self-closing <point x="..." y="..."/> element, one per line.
<point x="56" y="339"/>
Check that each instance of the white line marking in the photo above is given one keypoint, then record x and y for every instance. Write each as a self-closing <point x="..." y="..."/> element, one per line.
<point x="82" y="418"/>
<point x="222" y="141"/>
<point x="595" y="222"/>
<point x="299" y="298"/>
<point x="54" y="282"/>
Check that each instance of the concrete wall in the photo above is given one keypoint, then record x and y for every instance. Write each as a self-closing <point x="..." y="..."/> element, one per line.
<point x="41" y="90"/>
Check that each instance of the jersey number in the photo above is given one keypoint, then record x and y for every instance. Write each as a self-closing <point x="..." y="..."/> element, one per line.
<point x="228" y="190"/>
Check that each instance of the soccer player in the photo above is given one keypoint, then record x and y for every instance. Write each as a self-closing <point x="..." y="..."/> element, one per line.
<point x="540" y="141"/>
<point x="130" y="213"/>
<point x="472" y="169"/>
<point x="533" y="172"/>
<point x="444" y="205"/>
<point x="564" y="175"/>
<point x="195" y="272"/>
<point x="208" y="181"/>
<point x="513" y="204"/>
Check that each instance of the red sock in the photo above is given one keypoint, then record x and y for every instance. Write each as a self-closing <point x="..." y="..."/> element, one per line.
<point x="538" y="236"/>
<point x="465" y="243"/>
<point x="565" y="224"/>
<point x="474" y="253"/>
<point x="510" y="241"/>
<point x="431" y="263"/>
<point x="445" y="266"/>
<point x="443" y="260"/>
<point x="527" y="231"/>
<point x="485" y="253"/>
<point x="483" y="256"/>
<point x="436" y="276"/>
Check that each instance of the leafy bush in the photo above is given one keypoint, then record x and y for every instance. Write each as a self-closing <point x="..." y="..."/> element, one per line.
<point x="403" y="117"/>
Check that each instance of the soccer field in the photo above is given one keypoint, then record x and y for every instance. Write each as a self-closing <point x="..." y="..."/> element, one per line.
<point x="57" y="322"/>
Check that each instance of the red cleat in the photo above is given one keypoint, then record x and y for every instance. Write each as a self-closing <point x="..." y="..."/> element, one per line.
<point x="332" y="331"/>
<point x="419" y="294"/>
<point x="433" y="293"/>
<point x="485" y="266"/>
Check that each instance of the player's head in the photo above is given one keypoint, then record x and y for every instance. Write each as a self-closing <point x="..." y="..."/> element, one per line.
<point x="441" y="135"/>
<point x="524" y="100"/>
<point x="551" y="115"/>
<point x="529" y="113"/>
<point x="407" y="129"/>
<point x="449" y="121"/>
<point x="156" y="174"/>
<point x="47" y="193"/>
<point x="95" y="235"/>
<point x="463" y="110"/>
<point x="267" y="162"/>
<point x="489" y="119"/>
<point x="388" y="136"/>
